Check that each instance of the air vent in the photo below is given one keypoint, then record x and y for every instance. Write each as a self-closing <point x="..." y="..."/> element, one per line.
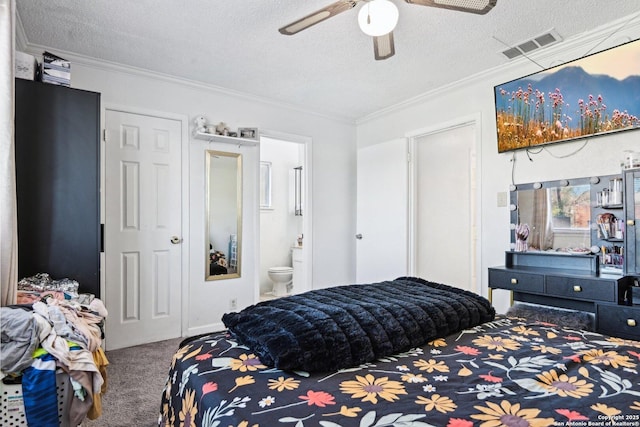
<point x="527" y="47"/>
<point x="535" y="43"/>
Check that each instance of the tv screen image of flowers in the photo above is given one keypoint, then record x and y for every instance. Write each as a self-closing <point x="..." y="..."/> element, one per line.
<point x="594" y="95"/>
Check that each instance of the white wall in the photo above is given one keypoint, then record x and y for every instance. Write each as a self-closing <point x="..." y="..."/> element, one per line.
<point x="333" y="166"/>
<point x="334" y="162"/>
<point x="600" y="156"/>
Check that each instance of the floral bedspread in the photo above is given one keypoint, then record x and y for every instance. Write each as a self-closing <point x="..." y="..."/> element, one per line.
<point x="508" y="372"/>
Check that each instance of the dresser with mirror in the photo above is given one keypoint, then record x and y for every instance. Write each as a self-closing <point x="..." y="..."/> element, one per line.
<point x="574" y="246"/>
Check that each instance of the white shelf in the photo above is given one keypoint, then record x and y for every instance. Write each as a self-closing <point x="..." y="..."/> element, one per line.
<point x="210" y="137"/>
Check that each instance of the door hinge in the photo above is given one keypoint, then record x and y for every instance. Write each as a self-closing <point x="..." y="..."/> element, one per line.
<point x="104" y="135"/>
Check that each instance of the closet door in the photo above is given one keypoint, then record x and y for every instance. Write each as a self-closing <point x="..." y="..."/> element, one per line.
<point x="445" y="188"/>
<point x="382" y="212"/>
<point x="57" y="179"/>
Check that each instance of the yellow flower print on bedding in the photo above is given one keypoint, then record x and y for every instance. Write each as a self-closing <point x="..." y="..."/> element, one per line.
<point x="609" y="358"/>
<point x="180" y="354"/>
<point x="189" y="410"/>
<point x="282" y="384"/>
<point x="369" y="388"/>
<point x="523" y="330"/>
<point x="507" y="414"/>
<point x="563" y="385"/>
<point x="242" y="381"/>
<point x="439" y="403"/>
<point x="606" y="410"/>
<point x="545" y="349"/>
<point x="246" y="363"/>
<point x="497" y="343"/>
<point x="439" y="342"/>
<point x="431" y="365"/>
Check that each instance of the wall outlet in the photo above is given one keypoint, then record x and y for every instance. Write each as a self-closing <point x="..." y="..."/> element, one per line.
<point x="233" y="303"/>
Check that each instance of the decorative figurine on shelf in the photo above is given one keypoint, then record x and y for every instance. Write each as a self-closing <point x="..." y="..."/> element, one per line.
<point x="201" y="124"/>
<point x="222" y="129"/>
<point x="522" y="233"/>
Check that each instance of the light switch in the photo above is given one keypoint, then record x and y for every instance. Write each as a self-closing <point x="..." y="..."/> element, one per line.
<point x="502" y="199"/>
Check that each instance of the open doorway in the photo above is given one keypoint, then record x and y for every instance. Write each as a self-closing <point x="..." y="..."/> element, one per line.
<point x="285" y="231"/>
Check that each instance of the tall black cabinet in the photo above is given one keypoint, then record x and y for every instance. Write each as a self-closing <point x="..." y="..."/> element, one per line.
<point x="632" y="224"/>
<point x="57" y="144"/>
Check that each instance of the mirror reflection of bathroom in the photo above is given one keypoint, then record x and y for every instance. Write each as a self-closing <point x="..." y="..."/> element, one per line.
<point x="282" y="199"/>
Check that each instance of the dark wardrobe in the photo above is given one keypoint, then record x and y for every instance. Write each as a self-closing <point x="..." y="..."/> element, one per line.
<point x="57" y="143"/>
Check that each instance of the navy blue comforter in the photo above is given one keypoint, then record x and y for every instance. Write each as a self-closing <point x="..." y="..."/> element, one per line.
<point x="345" y="326"/>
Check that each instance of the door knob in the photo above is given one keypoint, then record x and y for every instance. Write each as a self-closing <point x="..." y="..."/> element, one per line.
<point x="176" y="240"/>
<point x="359" y="236"/>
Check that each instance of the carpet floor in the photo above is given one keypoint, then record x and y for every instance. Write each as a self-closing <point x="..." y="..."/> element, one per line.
<point x="135" y="379"/>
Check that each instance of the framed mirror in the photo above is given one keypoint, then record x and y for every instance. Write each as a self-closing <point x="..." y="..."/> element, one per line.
<point x="557" y="216"/>
<point x="223" y="215"/>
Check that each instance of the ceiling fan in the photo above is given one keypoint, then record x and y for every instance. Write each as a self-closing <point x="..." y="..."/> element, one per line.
<point x="378" y="18"/>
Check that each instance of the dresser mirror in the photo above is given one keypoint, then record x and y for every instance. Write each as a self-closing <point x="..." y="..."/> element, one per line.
<point x="557" y="215"/>
<point x="223" y="215"/>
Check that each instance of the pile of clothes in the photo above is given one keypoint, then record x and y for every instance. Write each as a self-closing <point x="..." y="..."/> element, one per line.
<point x="57" y="330"/>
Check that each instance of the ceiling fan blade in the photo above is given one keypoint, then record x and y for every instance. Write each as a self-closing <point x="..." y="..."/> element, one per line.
<point x="383" y="47"/>
<point x="473" y="6"/>
<point x="318" y="16"/>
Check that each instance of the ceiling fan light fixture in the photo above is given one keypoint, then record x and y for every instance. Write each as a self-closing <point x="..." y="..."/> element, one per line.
<point x="378" y="17"/>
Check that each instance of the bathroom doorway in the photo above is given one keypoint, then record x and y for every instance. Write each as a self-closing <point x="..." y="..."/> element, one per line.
<point x="285" y="220"/>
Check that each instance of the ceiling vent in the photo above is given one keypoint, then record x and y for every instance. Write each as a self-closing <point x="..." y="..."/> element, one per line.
<point x="527" y="46"/>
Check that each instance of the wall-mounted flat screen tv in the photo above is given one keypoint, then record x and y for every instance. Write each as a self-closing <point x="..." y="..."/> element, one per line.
<point x="594" y="95"/>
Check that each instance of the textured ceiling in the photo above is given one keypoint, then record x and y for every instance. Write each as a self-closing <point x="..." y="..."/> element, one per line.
<point x="328" y="68"/>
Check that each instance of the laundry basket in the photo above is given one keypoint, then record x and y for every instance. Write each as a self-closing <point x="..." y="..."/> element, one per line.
<point x="12" y="407"/>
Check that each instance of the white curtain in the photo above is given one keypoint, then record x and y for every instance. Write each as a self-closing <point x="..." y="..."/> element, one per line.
<point x="8" y="218"/>
<point x="541" y="233"/>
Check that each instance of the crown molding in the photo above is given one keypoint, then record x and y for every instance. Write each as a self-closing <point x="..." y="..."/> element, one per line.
<point x="590" y="42"/>
<point x="594" y="41"/>
<point x="100" y="64"/>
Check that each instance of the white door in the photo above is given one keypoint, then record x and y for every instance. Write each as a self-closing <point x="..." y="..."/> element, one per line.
<point x="382" y="211"/>
<point x="143" y="237"/>
<point x="444" y="201"/>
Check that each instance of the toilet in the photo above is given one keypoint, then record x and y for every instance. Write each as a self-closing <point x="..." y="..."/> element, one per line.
<point x="281" y="278"/>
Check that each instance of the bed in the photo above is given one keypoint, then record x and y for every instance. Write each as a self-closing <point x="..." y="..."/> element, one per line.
<point x="474" y="369"/>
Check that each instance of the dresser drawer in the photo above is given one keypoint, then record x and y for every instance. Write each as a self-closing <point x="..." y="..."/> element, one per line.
<point x="619" y="320"/>
<point x="516" y="281"/>
<point x="585" y="289"/>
